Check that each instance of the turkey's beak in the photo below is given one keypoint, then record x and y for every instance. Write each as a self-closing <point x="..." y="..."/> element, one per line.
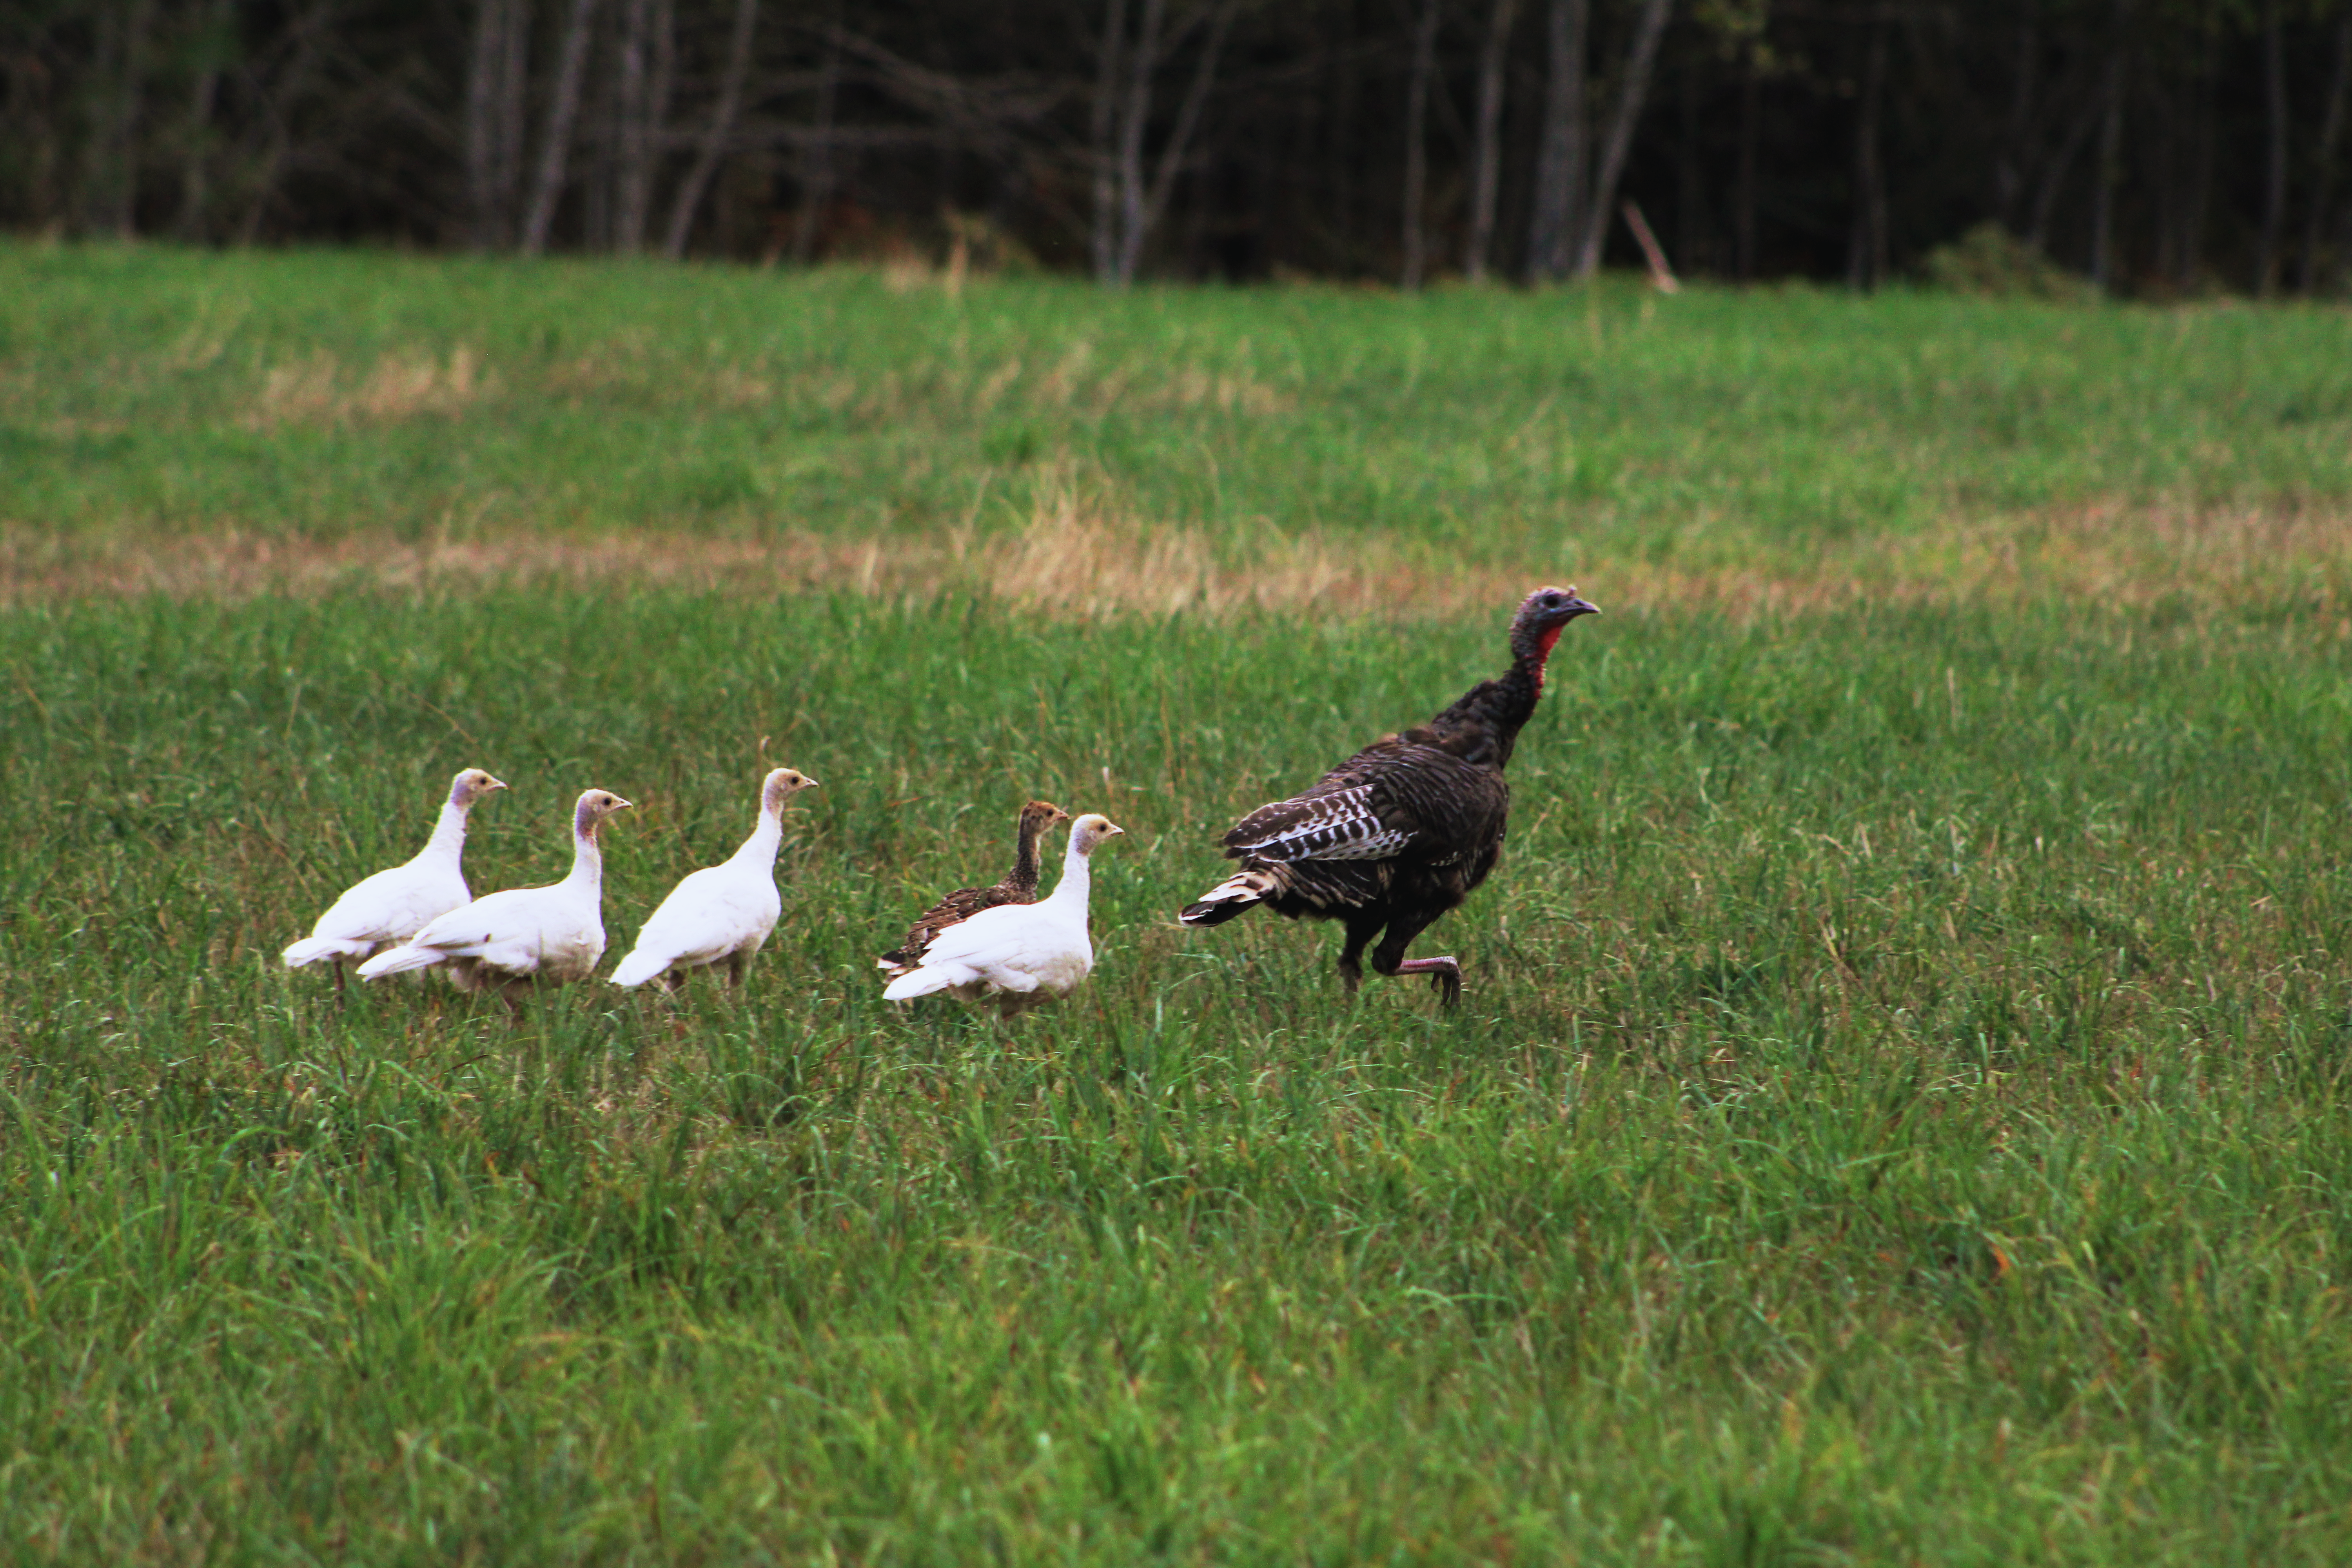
<point x="619" y="805"/>
<point x="1112" y="829"/>
<point x="807" y="783"/>
<point x="1578" y="605"/>
<point x="496" y="784"/>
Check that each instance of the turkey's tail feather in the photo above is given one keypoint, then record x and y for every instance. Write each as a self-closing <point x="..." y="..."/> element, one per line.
<point x="312" y="949"/>
<point x="923" y="981"/>
<point x="1238" y="894"/>
<point x="400" y="960"/>
<point x="640" y="966"/>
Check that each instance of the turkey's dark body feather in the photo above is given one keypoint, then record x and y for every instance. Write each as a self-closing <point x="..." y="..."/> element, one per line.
<point x="1444" y="817"/>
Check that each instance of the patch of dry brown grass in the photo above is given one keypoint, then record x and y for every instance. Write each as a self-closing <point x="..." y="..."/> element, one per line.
<point x="407" y="385"/>
<point x="1076" y="557"/>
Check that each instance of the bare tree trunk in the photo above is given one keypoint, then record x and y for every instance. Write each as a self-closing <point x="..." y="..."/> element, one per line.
<point x="1417" y="148"/>
<point x="1751" y="131"/>
<point x="1141" y="205"/>
<point x="1104" y="235"/>
<point x="2331" y="130"/>
<point x="203" y="96"/>
<point x="714" y="137"/>
<point x="2008" y="171"/>
<point x="1641" y="62"/>
<point x="1865" y="255"/>
<point x="2266" y="258"/>
<point x="634" y="129"/>
<point x="2055" y="170"/>
<point x="2200" y="176"/>
<point x="123" y="134"/>
<point x="485" y="67"/>
<point x="1187" y="121"/>
<point x="1134" y="115"/>
<point x="514" y="113"/>
<point x="817" y="173"/>
<point x="2110" y="164"/>
<point x="1694" y="225"/>
<point x="1486" y="149"/>
<point x="1560" y="154"/>
<point x="278" y="99"/>
<point x="555" y="137"/>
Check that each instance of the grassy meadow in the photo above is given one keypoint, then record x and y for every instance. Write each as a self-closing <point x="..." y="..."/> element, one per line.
<point x="1901" y="1109"/>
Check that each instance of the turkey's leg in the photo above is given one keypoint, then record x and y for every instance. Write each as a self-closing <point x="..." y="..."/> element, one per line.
<point x="1352" y="956"/>
<point x="1390" y="959"/>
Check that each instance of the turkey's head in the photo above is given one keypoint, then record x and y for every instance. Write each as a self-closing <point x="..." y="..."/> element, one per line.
<point x="593" y="808"/>
<point x="1039" y="815"/>
<point x="1543" y="614"/>
<point x="781" y="785"/>
<point x="470" y="787"/>
<point x="1091" y="830"/>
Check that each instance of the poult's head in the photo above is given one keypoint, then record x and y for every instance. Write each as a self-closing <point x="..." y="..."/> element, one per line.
<point x="1091" y="830"/>
<point x="781" y="786"/>
<point x="470" y="787"/>
<point x="1041" y="815"/>
<point x="593" y="808"/>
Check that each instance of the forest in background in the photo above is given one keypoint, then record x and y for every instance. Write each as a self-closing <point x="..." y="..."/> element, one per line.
<point x="2158" y="148"/>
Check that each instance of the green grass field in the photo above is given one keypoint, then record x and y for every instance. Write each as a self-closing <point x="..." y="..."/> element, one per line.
<point x="1900" y="1111"/>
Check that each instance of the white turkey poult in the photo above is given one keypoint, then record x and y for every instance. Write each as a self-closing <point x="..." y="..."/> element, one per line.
<point x="1015" y="956"/>
<point x="510" y="941"/>
<point x="722" y="913"/>
<point x="389" y="907"/>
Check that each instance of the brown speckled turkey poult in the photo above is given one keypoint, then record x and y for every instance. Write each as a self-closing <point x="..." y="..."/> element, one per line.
<point x="1406" y="829"/>
<point x="1019" y="887"/>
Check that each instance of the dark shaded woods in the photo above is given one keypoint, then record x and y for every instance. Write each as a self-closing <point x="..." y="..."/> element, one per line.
<point x="2156" y="147"/>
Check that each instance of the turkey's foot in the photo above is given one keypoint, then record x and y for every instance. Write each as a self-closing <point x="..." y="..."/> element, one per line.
<point x="1444" y="973"/>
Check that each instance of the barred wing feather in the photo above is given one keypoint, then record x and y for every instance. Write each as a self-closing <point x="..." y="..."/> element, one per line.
<point x="1343" y="824"/>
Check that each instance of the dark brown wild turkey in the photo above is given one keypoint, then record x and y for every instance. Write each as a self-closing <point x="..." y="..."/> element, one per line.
<point x="1403" y="830"/>
<point x="1019" y="887"/>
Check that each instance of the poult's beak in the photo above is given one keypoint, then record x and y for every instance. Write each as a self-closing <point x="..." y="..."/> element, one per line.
<point x="620" y="804"/>
<point x="1112" y="827"/>
<point x="496" y="784"/>
<point x="807" y="783"/>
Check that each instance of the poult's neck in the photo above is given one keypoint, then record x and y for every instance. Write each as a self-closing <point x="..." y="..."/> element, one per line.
<point x="448" y="833"/>
<point x="1071" y="887"/>
<point x="1025" y="856"/>
<point x="587" y="858"/>
<point x="766" y="834"/>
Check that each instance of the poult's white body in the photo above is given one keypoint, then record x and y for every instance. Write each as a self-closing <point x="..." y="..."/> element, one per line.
<point x="389" y="907"/>
<point x="723" y="914"/>
<point x="508" y="940"/>
<point x="1017" y="955"/>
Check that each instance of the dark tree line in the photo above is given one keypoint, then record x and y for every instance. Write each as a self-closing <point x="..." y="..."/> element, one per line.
<point x="2157" y="146"/>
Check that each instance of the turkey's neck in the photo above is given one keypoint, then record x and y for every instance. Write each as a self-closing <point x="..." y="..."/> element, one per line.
<point x="587" y="860"/>
<point x="760" y="847"/>
<point x="1072" y="888"/>
<point x="448" y="833"/>
<point x="1483" y="726"/>
<point x="1024" y="859"/>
